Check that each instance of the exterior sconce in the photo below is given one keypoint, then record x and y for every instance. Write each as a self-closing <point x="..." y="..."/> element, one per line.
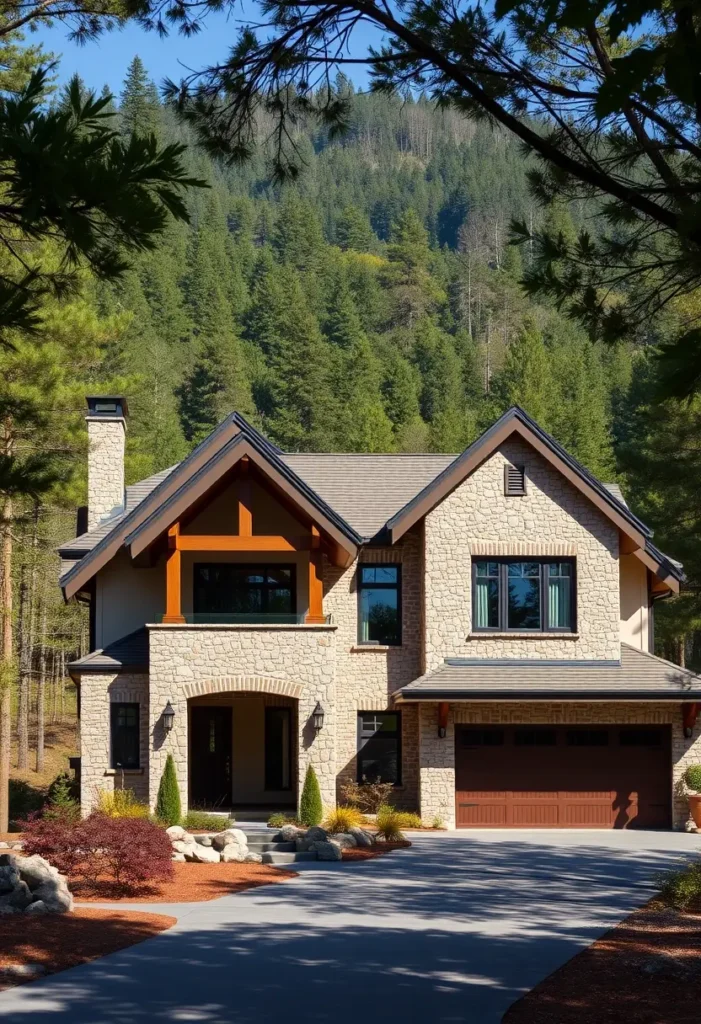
<point x="318" y="715"/>
<point x="442" y="720"/>
<point x="689" y="715"/>
<point x="168" y="717"/>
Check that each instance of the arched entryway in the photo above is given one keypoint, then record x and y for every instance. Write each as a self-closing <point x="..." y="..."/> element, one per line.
<point x="242" y="744"/>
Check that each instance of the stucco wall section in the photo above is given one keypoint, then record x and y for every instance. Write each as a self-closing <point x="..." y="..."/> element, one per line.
<point x="97" y="692"/>
<point x="183" y="657"/>
<point x="635" y="603"/>
<point x="368" y="676"/>
<point x="552" y="511"/>
<point x="437" y="756"/>
<point x="105" y="467"/>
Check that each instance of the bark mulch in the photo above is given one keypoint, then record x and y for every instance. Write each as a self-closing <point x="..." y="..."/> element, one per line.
<point x="56" y="942"/>
<point x="191" y="883"/>
<point x="370" y="852"/>
<point x="646" y="970"/>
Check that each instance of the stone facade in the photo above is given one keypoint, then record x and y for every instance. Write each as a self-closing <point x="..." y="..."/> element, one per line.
<point x="438" y="755"/>
<point x="106" y="439"/>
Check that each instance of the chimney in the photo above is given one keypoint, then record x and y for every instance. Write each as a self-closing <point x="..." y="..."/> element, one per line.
<point x="107" y="428"/>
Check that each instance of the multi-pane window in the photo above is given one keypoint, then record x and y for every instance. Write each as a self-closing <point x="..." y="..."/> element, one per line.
<point x="379" y="747"/>
<point x="244" y="590"/>
<point x="124" y="735"/>
<point x="379" y="604"/>
<point x="524" y="596"/>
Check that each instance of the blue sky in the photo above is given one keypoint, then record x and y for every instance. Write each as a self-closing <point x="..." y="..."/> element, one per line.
<point x="105" y="60"/>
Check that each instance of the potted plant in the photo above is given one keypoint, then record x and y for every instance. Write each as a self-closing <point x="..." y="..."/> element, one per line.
<point x="692" y="779"/>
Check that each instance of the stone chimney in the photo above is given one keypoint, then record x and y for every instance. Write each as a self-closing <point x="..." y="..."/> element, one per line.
<point x="107" y="428"/>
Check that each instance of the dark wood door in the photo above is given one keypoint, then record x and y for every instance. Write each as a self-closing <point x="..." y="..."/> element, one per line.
<point x="210" y="757"/>
<point x="545" y="776"/>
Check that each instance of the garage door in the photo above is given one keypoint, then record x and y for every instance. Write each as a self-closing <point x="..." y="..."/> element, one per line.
<point x="566" y="777"/>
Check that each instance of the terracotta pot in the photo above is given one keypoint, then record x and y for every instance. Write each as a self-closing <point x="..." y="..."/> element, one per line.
<point x="695" y="808"/>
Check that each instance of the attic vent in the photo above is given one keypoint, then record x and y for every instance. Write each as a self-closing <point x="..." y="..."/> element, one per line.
<point x="514" y="480"/>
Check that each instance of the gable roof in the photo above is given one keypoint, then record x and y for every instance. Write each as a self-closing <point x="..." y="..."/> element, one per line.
<point x="516" y="421"/>
<point x="129" y="653"/>
<point x="637" y="676"/>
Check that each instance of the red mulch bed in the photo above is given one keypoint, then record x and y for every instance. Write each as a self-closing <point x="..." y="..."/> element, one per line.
<point x="647" y="970"/>
<point x="370" y="852"/>
<point x="59" y="941"/>
<point x="191" y="883"/>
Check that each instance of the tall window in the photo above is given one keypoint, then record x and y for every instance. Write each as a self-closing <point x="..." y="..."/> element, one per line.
<point x="221" y="588"/>
<point x="379" y="604"/>
<point x="379" y="747"/>
<point x="124" y="736"/>
<point x="523" y="596"/>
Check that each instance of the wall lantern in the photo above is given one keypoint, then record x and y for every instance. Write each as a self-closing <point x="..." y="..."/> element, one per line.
<point x="442" y="720"/>
<point x="168" y="716"/>
<point x="318" y="716"/>
<point x="690" y="713"/>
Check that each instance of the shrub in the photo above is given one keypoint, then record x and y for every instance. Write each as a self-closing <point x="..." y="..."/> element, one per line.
<point x="168" y="809"/>
<point x="127" y="851"/>
<point x="62" y="802"/>
<point x="438" y="822"/>
<point x="279" y="819"/>
<point x="121" y="803"/>
<point x="368" y="797"/>
<point x="692" y="777"/>
<point x="206" y="822"/>
<point x="389" y="824"/>
<point x="681" y="888"/>
<point x="342" y="818"/>
<point x="310" y="807"/>
<point x="407" y="819"/>
<point x="24" y="800"/>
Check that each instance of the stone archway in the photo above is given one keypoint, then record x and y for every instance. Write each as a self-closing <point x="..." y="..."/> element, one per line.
<point x="253" y="684"/>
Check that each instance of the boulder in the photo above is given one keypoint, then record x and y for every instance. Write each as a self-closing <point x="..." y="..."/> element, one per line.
<point x="184" y="845"/>
<point x="315" y="834"/>
<point x="9" y="877"/>
<point x="177" y="832"/>
<point x="178" y="858"/>
<point x="230" y="835"/>
<point x="55" y="896"/>
<point x="37" y="908"/>
<point x="233" y="853"/>
<point x="35" y="870"/>
<point x="327" y="850"/>
<point x="203" y="840"/>
<point x="8" y="860"/>
<point x="253" y="858"/>
<point x="202" y="854"/>
<point x="19" y="898"/>
<point x="7" y="909"/>
<point x="344" y="839"/>
<point x="289" y="834"/>
<point x="362" y="838"/>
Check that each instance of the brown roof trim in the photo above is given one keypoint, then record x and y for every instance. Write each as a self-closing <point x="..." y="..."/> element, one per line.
<point x="198" y="484"/>
<point x="512" y="423"/>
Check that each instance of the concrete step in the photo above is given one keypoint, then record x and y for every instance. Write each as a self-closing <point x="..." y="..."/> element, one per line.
<point x="288" y="858"/>
<point x="259" y="846"/>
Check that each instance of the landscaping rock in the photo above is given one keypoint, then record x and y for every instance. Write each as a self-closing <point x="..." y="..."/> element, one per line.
<point x="8" y="860"/>
<point x="55" y="896"/>
<point x="202" y="854"/>
<point x="230" y="835"/>
<point x="183" y="845"/>
<point x="204" y="840"/>
<point x="178" y="858"/>
<point x="233" y="853"/>
<point x="9" y="877"/>
<point x="253" y="858"/>
<point x="6" y="909"/>
<point x="35" y="870"/>
<point x="37" y="908"/>
<point x="177" y="832"/>
<point x="289" y="834"/>
<point x="327" y="850"/>
<point x="19" y="898"/>
<point x="362" y="838"/>
<point x="344" y="839"/>
<point x="315" y="834"/>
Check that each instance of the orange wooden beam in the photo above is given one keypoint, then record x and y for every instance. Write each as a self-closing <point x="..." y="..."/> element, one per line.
<point x="173" y="598"/>
<point x="232" y="542"/>
<point x="315" y="615"/>
<point x="443" y="709"/>
<point x="244" y="502"/>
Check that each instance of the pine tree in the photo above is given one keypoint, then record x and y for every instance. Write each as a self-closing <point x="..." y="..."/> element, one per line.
<point x="168" y="807"/>
<point x="525" y="378"/>
<point x="139" y="109"/>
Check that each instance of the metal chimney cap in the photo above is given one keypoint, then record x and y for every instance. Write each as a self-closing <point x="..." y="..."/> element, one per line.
<point x="107" y="406"/>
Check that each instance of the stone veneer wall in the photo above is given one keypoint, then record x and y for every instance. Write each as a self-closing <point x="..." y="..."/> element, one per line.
<point x="189" y="661"/>
<point x="97" y="692"/>
<point x="437" y="756"/>
<point x="552" y="512"/>
<point x="106" y="438"/>
<point x="367" y="676"/>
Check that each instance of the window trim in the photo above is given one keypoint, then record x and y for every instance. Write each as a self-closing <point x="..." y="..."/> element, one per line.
<point x="267" y="715"/>
<point x="358" y="773"/>
<point x="114" y="706"/>
<point x="398" y="586"/>
<point x="264" y="567"/>
<point x="503" y="626"/>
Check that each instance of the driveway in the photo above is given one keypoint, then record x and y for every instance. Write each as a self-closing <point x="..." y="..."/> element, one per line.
<point x="453" y="930"/>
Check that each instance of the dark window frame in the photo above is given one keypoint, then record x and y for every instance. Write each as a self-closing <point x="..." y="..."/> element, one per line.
<point x="359" y="771"/>
<point x="269" y="711"/>
<point x="360" y="586"/>
<point x="262" y="567"/>
<point x="115" y="708"/>
<point x="503" y="627"/>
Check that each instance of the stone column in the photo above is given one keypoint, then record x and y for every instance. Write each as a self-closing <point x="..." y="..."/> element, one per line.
<point x="436" y="767"/>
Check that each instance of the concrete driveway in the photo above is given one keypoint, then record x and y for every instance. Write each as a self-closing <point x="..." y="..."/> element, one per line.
<point x="455" y="929"/>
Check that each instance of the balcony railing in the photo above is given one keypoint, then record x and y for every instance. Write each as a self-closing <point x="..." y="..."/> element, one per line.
<point x="246" y="618"/>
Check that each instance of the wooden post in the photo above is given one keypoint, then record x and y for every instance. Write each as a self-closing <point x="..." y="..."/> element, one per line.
<point x="173" y="603"/>
<point x="316" y="581"/>
<point x="245" y="509"/>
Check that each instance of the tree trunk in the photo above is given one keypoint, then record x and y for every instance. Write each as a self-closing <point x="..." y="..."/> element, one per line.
<point x="25" y="668"/>
<point x="7" y="652"/>
<point x="41" y="687"/>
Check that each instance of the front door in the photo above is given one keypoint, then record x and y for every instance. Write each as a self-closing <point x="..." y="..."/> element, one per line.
<point x="210" y="757"/>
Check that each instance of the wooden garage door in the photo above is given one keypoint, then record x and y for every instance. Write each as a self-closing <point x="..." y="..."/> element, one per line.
<point x="542" y="776"/>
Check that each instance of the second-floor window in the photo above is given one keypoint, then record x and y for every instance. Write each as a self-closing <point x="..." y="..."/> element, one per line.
<point x="221" y="588"/>
<point x="380" y="604"/>
<point x="523" y="596"/>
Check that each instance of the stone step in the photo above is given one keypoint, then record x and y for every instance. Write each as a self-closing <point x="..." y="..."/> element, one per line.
<point x="288" y="858"/>
<point x="259" y="846"/>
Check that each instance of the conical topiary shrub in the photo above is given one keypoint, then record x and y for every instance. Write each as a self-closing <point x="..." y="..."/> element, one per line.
<point x="310" y="808"/>
<point x="168" y="808"/>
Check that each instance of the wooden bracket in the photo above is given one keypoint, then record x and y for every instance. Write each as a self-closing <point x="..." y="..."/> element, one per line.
<point x="443" y="709"/>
